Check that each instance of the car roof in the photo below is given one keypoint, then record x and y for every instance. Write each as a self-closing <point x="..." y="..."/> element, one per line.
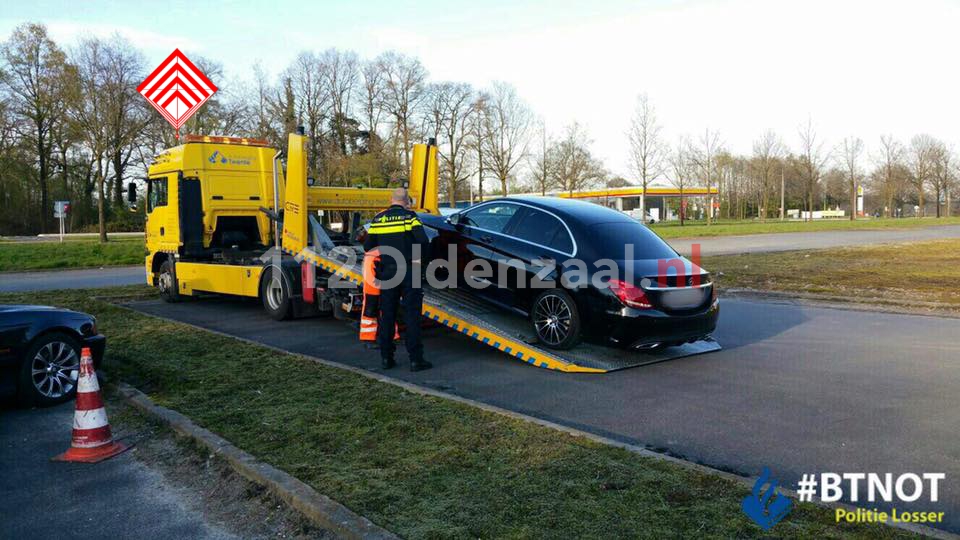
<point x="584" y="212"/>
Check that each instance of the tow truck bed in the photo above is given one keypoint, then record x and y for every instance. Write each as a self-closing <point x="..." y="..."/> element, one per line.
<point x="511" y="333"/>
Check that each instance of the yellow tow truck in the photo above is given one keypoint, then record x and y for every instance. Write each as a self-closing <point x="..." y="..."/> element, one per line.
<point x="222" y="217"/>
<point x="214" y="207"/>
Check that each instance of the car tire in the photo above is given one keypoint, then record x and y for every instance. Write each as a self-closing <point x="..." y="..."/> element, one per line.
<point x="58" y="356"/>
<point x="167" y="282"/>
<point x="555" y="319"/>
<point x="275" y="294"/>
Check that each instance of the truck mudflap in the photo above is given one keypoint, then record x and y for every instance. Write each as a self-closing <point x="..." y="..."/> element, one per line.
<point x="511" y="333"/>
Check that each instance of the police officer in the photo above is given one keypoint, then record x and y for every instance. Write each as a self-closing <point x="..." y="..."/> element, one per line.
<point x="399" y="228"/>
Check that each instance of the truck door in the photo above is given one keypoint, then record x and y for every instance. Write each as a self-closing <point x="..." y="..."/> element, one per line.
<point x="191" y="216"/>
<point x="158" y="227"/>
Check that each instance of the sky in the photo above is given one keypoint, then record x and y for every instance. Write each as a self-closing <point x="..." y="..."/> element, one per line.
<point x="739" y="67"/>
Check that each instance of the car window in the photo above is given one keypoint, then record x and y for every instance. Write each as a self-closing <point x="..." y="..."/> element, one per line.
<point x="157" y="195"/>
<point x="543" y="229"/>
<point x="492" y="217"/>
<point x="610" y="241"/>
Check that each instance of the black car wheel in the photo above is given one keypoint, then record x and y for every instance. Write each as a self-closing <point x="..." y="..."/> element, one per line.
<point x="556" y="319"/>
<point x="167" y="283"/>
<point x="50" y="370"/>
<point x="275" y="294"/>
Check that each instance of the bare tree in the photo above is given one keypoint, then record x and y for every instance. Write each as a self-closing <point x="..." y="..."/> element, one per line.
<point x="705" y="157"/>
<point x="404" y="84"/>
<point x="767" y="151"/>
<point x="812" y="160"/>
<point x="127" y="113"/>
<point x="572" y="164"/>
<point x="451" y="109"/>
<point x="310" y="101"/>
<point x="508" y="120"/>
<point x="340" y="75"/>
<point x="92" y="116"/>
<point x="647" y="151"/>
<point x="35" y="72"/>
<point x="850" y="152"/>
<point x="682" y="167"/>
<point x="942" y="176"/>
<point x="372" y="98"/>
<point x="889" y="162"/>
<point x="921" y="161"/>
<point x="541" y="172"/>
<point x="481" y="131"/>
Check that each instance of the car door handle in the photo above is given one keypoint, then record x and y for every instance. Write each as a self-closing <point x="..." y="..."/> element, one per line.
<point x="486" y="239"/>
<point x="546" y="261"/>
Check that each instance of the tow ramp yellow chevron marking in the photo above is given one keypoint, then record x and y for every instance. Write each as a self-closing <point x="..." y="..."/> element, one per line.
<point x="582" y="359"/>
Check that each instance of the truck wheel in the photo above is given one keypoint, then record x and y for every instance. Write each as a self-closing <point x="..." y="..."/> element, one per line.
<point x="50" y="369"/>
<point x="555" y="319"/>
<point x="275" y="294"/>
<point x="167" y="283"/>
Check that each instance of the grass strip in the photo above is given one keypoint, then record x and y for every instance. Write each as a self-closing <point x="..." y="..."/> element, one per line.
<point x="420" y="466"/>
<point x="906" y="274"/>
<point x="20" y="256"/>
<point x="672" y="229"/>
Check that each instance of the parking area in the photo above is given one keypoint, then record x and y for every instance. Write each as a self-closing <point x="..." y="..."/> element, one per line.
<point x="798" y="389"/>
<point x="117" y="498"/>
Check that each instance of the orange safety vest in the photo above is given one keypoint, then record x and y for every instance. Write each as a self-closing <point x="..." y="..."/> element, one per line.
<point x="370" y="314"/>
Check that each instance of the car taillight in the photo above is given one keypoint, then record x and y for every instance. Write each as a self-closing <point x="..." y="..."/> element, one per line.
<point x="630" y="295"/>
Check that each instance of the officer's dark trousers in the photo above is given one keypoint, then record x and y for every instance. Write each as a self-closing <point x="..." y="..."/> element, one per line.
<point x="405" y="296"/>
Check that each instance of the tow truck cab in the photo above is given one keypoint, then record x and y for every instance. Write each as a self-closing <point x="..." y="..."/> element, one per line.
<point x="222" y="217"/>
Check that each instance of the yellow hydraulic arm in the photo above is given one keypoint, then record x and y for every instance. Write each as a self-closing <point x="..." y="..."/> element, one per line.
<point x="299" y="198"/>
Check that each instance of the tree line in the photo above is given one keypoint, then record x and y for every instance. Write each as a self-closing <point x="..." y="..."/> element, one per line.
<point x="73" y="127"/>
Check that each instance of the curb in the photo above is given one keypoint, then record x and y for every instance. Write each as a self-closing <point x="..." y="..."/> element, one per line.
<point x="319" y="508"/>
<point x="745" y="481"/>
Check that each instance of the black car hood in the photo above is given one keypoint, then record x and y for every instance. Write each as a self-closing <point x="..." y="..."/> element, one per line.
<point x="26" y="308"/>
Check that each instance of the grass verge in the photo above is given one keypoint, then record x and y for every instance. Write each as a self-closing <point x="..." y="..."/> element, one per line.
<point x="918" y="274"/>
<point x="672" y="229"/>
<point x="20" y="256"/>
<point x="421" y="466"/>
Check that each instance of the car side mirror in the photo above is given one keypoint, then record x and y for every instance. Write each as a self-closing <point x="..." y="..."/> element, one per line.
<point x="132" y="193"/>
<point x="454" y="219"/>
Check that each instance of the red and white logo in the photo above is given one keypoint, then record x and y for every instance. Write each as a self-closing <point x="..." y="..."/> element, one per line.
<point x="177" y="88"/>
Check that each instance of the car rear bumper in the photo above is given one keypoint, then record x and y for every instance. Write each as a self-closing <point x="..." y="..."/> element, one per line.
<point x="638" y="329"/>
<point x="97" y="345"/>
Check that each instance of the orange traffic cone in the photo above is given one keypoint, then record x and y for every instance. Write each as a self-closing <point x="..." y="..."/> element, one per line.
<point x="92" y="439"/>
<point x="370" y="312"/>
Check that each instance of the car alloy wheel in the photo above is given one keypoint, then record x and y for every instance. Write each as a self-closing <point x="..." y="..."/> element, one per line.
<point x="552" y="319"/>
<point x="54" y="369"/>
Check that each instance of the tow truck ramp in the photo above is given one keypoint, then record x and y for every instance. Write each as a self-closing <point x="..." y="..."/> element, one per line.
<point x="511" y="333"/>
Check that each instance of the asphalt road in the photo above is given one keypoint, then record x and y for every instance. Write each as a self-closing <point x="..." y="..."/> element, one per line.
<point x="798" y="389"/>
<point x="111" y="276"/>
<point x="757" y="243"/>
<point x="116" y="498"/>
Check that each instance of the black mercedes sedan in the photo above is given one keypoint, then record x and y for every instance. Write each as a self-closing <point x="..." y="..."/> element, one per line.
<point x="578" y="270"/>
<point x="40" y="350"/>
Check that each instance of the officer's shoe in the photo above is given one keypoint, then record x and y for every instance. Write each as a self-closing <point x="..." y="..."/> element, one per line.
<point x="387" y="363"/>
<point x="420" y="365"/>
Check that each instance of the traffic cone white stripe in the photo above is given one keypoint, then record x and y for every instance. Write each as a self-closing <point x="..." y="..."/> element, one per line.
<point x="88" y="381"/>
<point x="90" y="419"/>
